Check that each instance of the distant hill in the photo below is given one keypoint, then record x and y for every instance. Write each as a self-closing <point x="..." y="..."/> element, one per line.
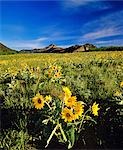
<point x="109" y="48"/>
<point x="52" y="48"/>
<point x="80" y="48"/>
<point x="55" y="49"/>
<point x="5" y="50"/>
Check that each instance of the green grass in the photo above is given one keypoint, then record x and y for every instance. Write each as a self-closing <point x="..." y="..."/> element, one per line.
<point x="91" y="76"/>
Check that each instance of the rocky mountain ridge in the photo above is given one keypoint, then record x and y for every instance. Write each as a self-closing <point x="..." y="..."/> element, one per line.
<point x="52" y="48"/>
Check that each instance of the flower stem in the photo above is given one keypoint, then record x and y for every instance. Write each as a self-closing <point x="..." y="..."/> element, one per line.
<point x="62" y="132"/>
<point x="82" y="120"/>
<point x="48" y="105"/>
<point x="51" y="135"/>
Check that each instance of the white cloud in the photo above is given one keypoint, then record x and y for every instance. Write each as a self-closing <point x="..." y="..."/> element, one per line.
<point x="76" y="4"/>
<point x="26" y="44"/>
<point x="41" y="39"/>
<point x="63" y="38"/>
<point x="79" y="2"/>
<point x="118" y="42"/>
<point x="110" y="25"/>
<point x="73" y="4"/>
<point x="61" y="35"/>
<point x="105" y="32"/>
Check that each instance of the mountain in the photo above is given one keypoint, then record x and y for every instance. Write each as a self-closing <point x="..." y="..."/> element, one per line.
<point x="52" y="48"/>
<point x="80" y="48"/>
<point x="5" y="50"/>
<point x="49" y="49"/>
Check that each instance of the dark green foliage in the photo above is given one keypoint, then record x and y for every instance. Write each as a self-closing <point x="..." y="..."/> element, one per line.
<point x="110" y="48"/>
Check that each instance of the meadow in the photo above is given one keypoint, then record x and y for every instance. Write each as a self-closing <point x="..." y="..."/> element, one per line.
<point x="71" y="100"/>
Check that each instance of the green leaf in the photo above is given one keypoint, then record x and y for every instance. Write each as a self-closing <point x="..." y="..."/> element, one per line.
<point x="71" y="137"/>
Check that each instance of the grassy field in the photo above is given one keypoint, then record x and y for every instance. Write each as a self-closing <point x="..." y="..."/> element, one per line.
<point x="67" y="57"/>
<point x="95" y="79"/>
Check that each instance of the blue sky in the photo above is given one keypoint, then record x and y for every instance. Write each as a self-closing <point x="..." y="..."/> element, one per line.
<point x="35" y="24"/>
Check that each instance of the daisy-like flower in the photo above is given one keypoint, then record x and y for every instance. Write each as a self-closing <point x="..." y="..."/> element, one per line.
<point x="67" y="115"/>
<point x="121" y="84"/>
<point x="69" y="102"/>
<point x="38" y="101"/>
<point x="67" y="92"/>
<point x="95" y="109"/>
<point x="78" y="110"/>
<point x="57" y="74"/>
<point x="48" y="98"/>
<point x="54" y="67"/>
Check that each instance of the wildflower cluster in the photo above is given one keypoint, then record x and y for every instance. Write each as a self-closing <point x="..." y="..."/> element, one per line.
<point x="118" y="95"/>
<point x="69" y="109"/>
<point x="58" y="94"/>
<point x="73" y="109"/>
<point x="54" y="71"/>
<point x="39" y="100"/>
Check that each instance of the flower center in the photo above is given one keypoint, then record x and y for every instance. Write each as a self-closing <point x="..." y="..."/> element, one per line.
<point x="67" y="115"/>
<point x="39" y="101"/>
<point x="69" y="100"/>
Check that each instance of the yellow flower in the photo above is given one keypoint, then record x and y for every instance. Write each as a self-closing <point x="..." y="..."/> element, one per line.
<point x="117" y="93"/>
<point x="67" y="92"/>
<point x="78" y="109"/>
<point x="121" y="84"/>
<point x="38" y="101"/>
<point x="95" y="109"/>
<point x="69" y="102"/>
<point x="67" y="115"/>
<point x="48" y="98"/>
<point x="57" y="74"/>
<point x="54" y="67"/>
